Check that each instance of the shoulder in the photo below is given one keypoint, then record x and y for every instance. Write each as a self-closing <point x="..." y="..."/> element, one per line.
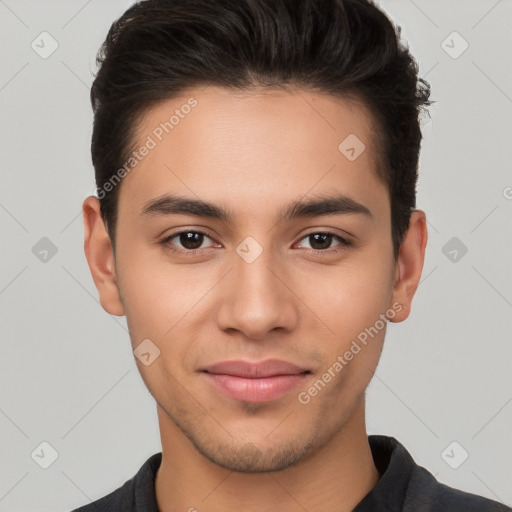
<point x="405" y="485"/>
<point x="110" y="502"/>
<point x="136" y="494"/>
<point x="426" y="494"/>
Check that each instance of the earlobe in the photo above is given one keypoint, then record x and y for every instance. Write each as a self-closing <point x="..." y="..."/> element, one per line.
<point x="100" y="257"/>
<point x="409" y="265"/>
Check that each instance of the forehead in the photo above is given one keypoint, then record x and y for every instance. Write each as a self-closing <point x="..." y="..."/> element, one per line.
<point x="250" y="147"/>
<point x="218" y="113"/>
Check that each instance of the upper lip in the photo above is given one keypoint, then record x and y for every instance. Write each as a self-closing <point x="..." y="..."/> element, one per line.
<point x="254" y="370"/>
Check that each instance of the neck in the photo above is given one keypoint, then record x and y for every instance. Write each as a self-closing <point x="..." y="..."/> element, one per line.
<point x="333" y="479"/>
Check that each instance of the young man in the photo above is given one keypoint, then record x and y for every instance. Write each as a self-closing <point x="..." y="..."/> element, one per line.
<point x="256" y="164"/>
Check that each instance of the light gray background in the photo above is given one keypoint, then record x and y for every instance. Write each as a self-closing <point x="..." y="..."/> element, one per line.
<point x="67" y="374"/>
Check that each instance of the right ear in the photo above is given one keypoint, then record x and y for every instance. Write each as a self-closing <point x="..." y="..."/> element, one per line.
<point x="100" y="257"/>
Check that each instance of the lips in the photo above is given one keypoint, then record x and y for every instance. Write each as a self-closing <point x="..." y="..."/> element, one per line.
<point x="255" y="382"/>
<point x="248" y="370"/>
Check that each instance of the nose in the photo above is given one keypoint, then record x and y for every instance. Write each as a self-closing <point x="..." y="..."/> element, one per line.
<point x="257" y="298"/>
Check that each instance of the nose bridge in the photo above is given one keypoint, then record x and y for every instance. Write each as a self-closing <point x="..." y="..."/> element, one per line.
<point x="257" y="300"/>
<point x="257" y="278"/>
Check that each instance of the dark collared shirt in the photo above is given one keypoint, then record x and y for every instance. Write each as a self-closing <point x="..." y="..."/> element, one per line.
<point x="403" y="486"/>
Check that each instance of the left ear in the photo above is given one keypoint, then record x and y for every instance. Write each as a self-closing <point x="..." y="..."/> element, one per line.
<point x="409" y="265"/>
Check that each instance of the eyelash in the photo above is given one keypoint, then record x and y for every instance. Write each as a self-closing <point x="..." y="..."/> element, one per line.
<point x="344" y="243"/>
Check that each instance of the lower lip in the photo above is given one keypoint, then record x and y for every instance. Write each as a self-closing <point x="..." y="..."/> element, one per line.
<point x="255" y="390"/>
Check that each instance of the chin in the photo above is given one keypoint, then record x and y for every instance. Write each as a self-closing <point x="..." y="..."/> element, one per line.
<point x="249" y="458"/>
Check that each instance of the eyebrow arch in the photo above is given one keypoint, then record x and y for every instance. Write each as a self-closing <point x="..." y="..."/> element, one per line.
<point x="336" y="204"/>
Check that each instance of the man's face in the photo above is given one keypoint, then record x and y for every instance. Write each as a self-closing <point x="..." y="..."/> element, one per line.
<point x="222" y="300"/>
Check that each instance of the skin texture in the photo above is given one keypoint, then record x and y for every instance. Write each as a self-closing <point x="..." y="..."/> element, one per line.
<point x="254" y="153"/>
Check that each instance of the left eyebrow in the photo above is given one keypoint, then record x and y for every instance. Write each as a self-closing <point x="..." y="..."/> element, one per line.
<point x="337" y="204"/>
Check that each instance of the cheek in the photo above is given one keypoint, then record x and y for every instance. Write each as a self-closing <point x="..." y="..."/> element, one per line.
<point x="352" y="300"/>
<point x="351" y="296"/>
<point x="163" y="302"/>
<point x="151" y="295"/>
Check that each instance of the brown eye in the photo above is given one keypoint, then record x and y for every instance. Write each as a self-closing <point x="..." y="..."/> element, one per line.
<point x="322" y="241"/>
<point x="191" y="239"/>
<point x="185" y="241"/>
